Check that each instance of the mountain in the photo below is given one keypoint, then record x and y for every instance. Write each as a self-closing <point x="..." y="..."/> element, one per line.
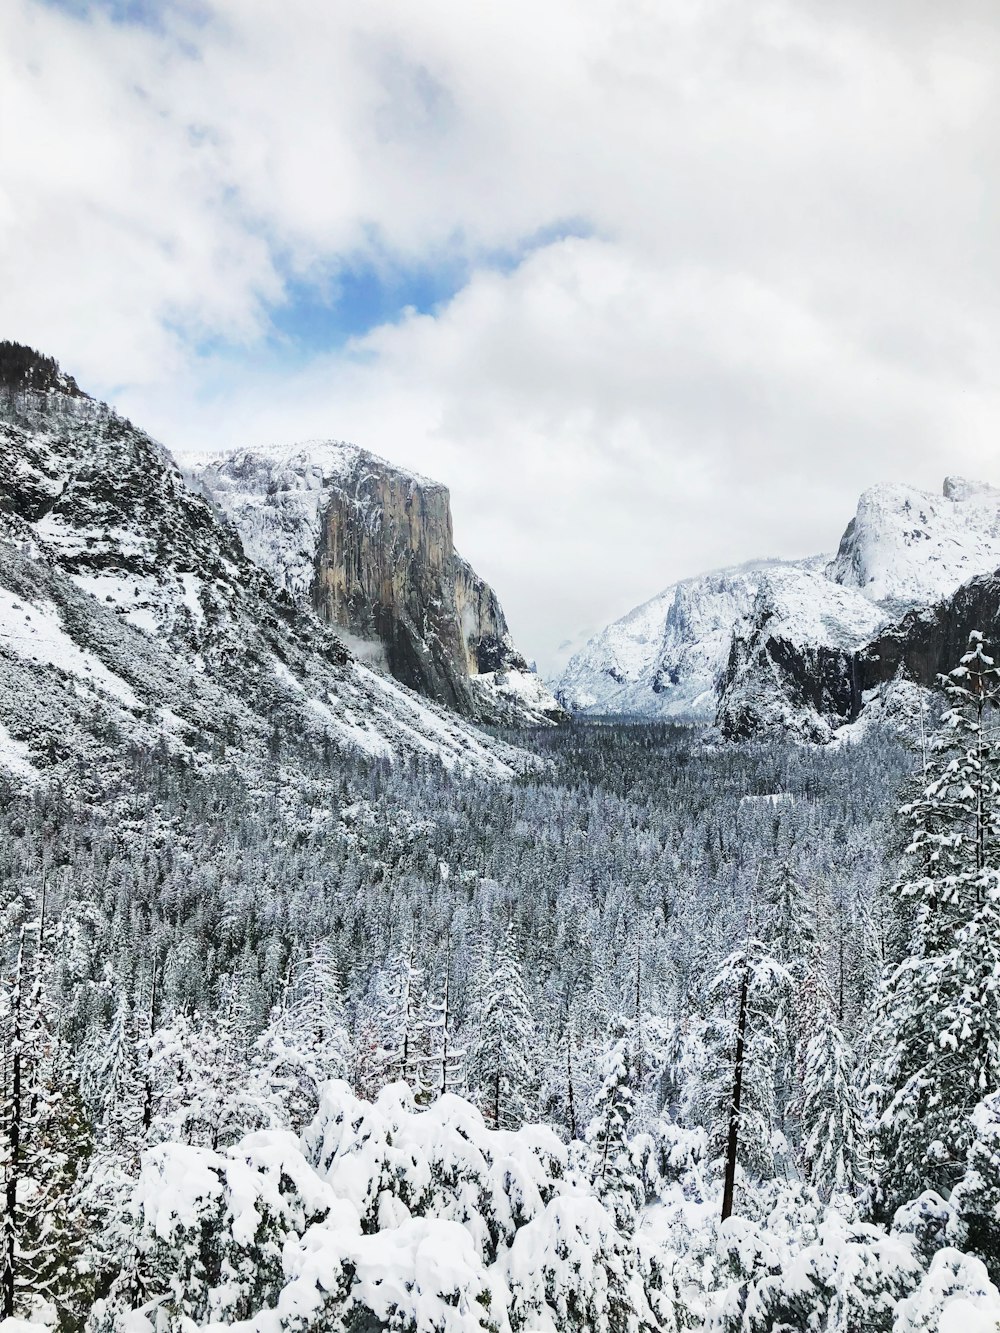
<point x="131" y="615"/>
<point x="777" y="645"/>
<point x="368" y="548"/>
<point x="665" y="658"/>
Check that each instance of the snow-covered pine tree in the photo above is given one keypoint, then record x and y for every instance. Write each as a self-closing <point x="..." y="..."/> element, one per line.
<point x="116" y="1075"/>
<point x="607" y="1136"/>
<point x="833" y="1127"/>
<point x="442" y="1067"/>
<point x="44" y="1148"/>
<point x="744" y="1039"/>
<point x="938" y="1019"/>
<point x="306" y="1042"/>
<point x="501" y="1069"/>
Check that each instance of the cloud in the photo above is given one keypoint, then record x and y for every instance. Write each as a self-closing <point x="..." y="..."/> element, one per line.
<point x="779" y="290"/>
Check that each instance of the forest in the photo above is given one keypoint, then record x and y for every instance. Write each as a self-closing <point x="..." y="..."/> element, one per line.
<point x="665" y="1033"/>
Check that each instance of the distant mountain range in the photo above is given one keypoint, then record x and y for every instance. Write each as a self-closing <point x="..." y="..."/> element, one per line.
<point x="809" y="645"/>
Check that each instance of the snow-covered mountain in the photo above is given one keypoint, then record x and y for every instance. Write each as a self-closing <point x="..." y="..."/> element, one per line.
<point x="368" y="547"/>
<point x="770" y="644"/>
<point x="665" y="658"/>
<point x="131" y="613"/>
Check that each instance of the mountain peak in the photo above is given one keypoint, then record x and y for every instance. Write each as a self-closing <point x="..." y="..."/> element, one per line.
<point x="905" y="546"/>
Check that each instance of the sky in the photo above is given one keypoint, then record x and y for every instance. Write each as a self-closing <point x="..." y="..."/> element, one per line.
<point x="653" y="286"/>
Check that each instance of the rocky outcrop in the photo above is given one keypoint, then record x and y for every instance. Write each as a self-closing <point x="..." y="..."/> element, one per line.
<point x="927" y="643"/>
<point x="370" y="548"/>
<point x="790" y="661"/>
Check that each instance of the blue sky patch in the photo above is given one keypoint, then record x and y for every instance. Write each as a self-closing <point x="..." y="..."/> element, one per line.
<point x="322" y="315"/>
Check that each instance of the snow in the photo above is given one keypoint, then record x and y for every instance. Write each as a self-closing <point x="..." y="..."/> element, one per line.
<point x="959" y="1316"/>
<point x="526" y="689"/>
<point x="378" y="716"/>
<point x="906" y="547"/>
<point x="665" y="658"/>
<point x="191" y="585"/>
<point x="135" y="598"/>
<point x="34" y="631"/>
<point x="804" y="607"/>
<point x="15" y="756"/>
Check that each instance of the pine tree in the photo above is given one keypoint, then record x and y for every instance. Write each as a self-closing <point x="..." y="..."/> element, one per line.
<point x="306" y="1043"/>
<point x="501" y="1047"/>
<point x="744" y="1039"/>
<point x="608" y="1135"/>
<point x="938" y="1020"/>
<point x="443" y="1065"/>
<point x="832" y="1120"/>
<point x="44" y="1149"/>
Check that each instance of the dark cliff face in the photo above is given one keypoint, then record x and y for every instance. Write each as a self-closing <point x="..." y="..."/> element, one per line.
<point x="483" y="625"/>
<point x="772" y="683"/>
<point x="927" y="643"/>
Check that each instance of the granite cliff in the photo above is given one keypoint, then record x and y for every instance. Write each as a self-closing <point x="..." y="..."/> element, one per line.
<point x="370" y="549"/>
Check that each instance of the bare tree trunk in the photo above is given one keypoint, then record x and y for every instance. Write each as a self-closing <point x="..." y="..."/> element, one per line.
<point x="734" y="1110"/>
<point x="9" y="1271"/>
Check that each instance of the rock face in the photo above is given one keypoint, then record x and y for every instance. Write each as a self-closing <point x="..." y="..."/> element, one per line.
<point x="927" y="643"/>
<point x="794" y="646"/>
<point x="370" y="549"/>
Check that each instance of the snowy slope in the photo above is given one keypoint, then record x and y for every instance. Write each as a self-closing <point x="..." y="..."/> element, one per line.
<point x="906" y="547"/>
<point x="129" y="612"/>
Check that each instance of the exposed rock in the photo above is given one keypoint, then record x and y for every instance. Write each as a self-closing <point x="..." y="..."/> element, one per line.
<point x="927" y="643"/>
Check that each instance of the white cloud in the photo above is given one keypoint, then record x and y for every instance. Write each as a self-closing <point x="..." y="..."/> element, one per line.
<point x="787" y="294"/>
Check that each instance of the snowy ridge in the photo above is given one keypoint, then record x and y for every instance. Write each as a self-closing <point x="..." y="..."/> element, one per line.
<point x="666" y="658"/>
<point x="801" y="605"/>
<point x="905" y="547"/>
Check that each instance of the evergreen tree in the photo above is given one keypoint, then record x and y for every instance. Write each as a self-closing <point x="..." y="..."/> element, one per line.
<point x="306" y="1042"/>
<point x="501" y="1047"/>
<point x="938" y="1021"/>
<point x="832" y="1120"/>
<point x="744" y="1039"/>
<point x="443" y="1065"/>
<point x="608" y="1135"/>
<point x="44" y="1148"/>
